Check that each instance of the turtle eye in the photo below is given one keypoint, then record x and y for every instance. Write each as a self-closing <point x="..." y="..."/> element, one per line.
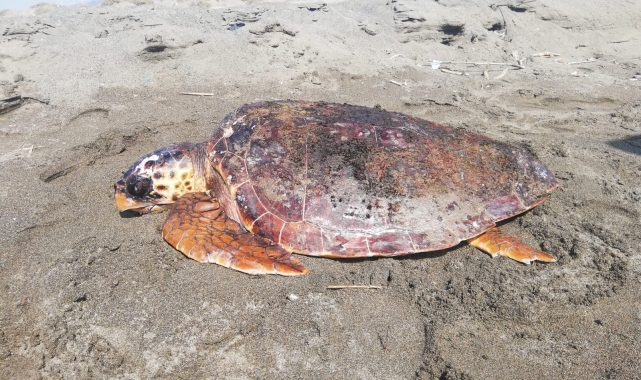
<point x="138" y="186"/>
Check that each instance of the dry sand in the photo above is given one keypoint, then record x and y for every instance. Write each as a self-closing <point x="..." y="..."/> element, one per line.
<point x="86" y="293"/>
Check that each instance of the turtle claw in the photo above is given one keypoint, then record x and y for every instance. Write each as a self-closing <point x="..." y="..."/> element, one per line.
<point x="198" y="227"/>
<point x="495" y="242"/>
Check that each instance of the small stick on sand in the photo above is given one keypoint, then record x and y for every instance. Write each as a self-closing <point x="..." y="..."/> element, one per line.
<point x="20" y="97"/>
<point x="354" y="287"/>
<point x="480" y="63"/>
<point x="502" y="74"/>
<point x="197" y="93"/>
<point x="452" y="72"/>
<point x="396" y="83"/>
<point x="590" y="60"/>
<point x="546" y="54"/>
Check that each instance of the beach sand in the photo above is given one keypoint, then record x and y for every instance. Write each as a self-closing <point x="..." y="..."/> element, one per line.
<point x="87" y="293"/>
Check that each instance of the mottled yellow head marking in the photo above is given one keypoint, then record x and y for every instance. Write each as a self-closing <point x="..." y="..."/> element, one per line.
<point x="158" y="180"/>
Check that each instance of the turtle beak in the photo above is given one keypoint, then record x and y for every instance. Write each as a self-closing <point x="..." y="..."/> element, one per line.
<point x="123" y="203"/>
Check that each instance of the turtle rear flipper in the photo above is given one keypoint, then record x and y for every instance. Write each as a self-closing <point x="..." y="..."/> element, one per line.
<point x="198" y="227"/>
<point x="495" y="242"/>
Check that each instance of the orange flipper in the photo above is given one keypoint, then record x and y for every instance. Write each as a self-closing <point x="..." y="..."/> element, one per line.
<point x="495" y="242"/>
<point x="198" y="227"/>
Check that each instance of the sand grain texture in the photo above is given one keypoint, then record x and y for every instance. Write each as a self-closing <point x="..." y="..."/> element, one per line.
<point x="86" y="293"/>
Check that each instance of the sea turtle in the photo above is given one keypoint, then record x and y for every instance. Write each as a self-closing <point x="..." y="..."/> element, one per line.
<point x="334" y="180"/>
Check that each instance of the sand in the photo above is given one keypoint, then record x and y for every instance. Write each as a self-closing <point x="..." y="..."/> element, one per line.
<point x="87" y="293"/>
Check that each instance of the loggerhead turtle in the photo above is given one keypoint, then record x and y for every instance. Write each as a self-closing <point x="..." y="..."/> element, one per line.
<point x="334" y="180"/>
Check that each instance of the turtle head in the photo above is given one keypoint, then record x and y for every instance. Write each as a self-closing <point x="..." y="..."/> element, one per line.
<point x="157" y="180"/>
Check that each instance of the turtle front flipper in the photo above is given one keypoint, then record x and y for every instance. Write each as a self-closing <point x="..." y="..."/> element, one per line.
<point x="198" y="227"/>
<point x="495" y="242"/>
